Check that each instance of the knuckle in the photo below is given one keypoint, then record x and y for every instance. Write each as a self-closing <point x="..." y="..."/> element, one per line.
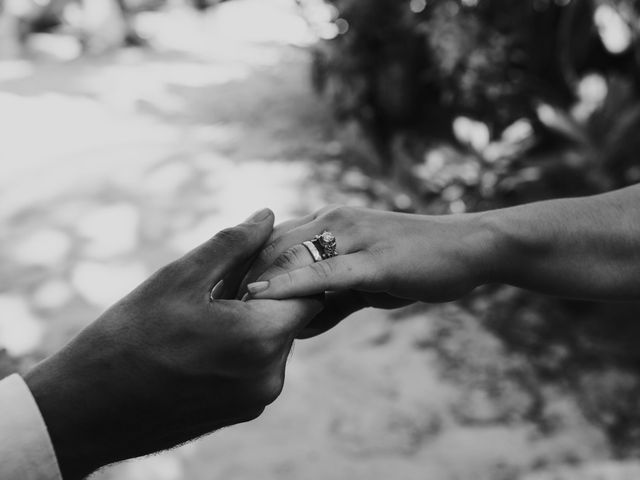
<point x="233" y="237"/>
<point x="253" y="413"/>
<point x="326" y="209"/>
<point x="334" y="213"/>
<point x="288" y="258"/>
<point x="262" y="262"/>
<point x="340" y="213"/>
<point x="289" y="280"/>
<point x="323" y="211"/>
<point x="279" y="231"/>
<point x="267" y="253"/>
<point x="170" y="270"/>
<point x="322" y="270"/>
<point x="270" y="388"/>
<point x="173" y="274"/>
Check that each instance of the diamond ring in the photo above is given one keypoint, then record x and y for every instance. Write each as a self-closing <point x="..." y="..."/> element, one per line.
<point x="322" y="246"/>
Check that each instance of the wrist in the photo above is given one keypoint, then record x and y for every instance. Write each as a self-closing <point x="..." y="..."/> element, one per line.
<point x="490" y="247"/>
<point x="515" y="245"/>
<point x="459" y="253"/>
<point x="64" y="412"/>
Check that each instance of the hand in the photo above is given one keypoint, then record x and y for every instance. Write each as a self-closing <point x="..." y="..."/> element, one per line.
<point x="388" y="259"/>
<point x="167" y="363"/>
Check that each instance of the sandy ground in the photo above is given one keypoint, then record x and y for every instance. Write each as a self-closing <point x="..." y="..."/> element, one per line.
<point x="114" y="164"/>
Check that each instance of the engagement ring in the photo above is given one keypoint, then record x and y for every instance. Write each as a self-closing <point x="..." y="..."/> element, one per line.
<point x="322" y="246"/>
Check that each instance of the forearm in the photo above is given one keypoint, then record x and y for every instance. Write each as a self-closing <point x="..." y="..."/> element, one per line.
<point x="582" y="248"/>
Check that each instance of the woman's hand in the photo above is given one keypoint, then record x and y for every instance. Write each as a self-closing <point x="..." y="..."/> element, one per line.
<point x="389" y="258"/>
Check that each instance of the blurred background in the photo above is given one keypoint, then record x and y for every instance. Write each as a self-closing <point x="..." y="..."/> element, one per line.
<point x="132" y="130"/>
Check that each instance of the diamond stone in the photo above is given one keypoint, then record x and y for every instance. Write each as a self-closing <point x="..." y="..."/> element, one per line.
<point x="327" y="237"/>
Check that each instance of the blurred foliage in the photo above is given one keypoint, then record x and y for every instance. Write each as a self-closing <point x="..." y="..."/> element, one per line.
<point x="467" y="105"/>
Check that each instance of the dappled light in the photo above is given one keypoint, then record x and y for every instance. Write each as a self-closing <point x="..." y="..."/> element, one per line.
<point x="102" y="284"/>
<point x="614" y="31"/>
<point x="127" y="139"/>
<point x="20" y="329"/>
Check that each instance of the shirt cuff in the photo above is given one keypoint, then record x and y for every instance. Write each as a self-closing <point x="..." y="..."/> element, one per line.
<point x="26" y="452"/>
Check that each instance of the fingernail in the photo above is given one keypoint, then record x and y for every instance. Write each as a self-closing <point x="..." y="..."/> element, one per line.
<point x="216" y="291"/>
<point x="245" y="297"/>
<point x="257" y="287"/>
<point x="259" y="216"/>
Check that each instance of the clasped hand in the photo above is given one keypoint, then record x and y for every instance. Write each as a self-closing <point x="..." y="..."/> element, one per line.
<point x="385" y="260"/>
<point x="167" y="363"/>
<point x="182" y="355"/>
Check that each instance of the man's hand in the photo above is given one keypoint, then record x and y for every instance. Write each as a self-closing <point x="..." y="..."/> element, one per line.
<point x="167" y="363"/>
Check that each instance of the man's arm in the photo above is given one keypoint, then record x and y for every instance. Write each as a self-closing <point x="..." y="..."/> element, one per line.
<point x="580" y="247"/>
<point x="26" y="452"/>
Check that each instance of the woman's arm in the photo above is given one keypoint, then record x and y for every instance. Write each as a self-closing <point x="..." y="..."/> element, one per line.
<point x="582" y="247"/>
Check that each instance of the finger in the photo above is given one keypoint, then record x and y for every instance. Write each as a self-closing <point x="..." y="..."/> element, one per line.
<point x="337" y="307"/>
<point x="289" y="316"/>
<point x="296" y="257"/>
<point x="274" y="249"/>
<point x="344" y="272"/>
<point x="297" y="235"/>
<point x="258" y="266"/>
<point x="228" y="287"/>
<point x="230" y="248"/>
<point x="289" y="225"/>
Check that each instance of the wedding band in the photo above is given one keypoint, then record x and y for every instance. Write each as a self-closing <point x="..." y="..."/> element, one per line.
<point x="313" y="251"/>
<point x="322" y="246"/>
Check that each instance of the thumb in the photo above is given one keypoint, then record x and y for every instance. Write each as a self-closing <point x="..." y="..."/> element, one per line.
<point x="231" y="247"/>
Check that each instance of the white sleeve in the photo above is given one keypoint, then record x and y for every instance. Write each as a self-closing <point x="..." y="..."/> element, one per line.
<point x="26" y="452"/>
